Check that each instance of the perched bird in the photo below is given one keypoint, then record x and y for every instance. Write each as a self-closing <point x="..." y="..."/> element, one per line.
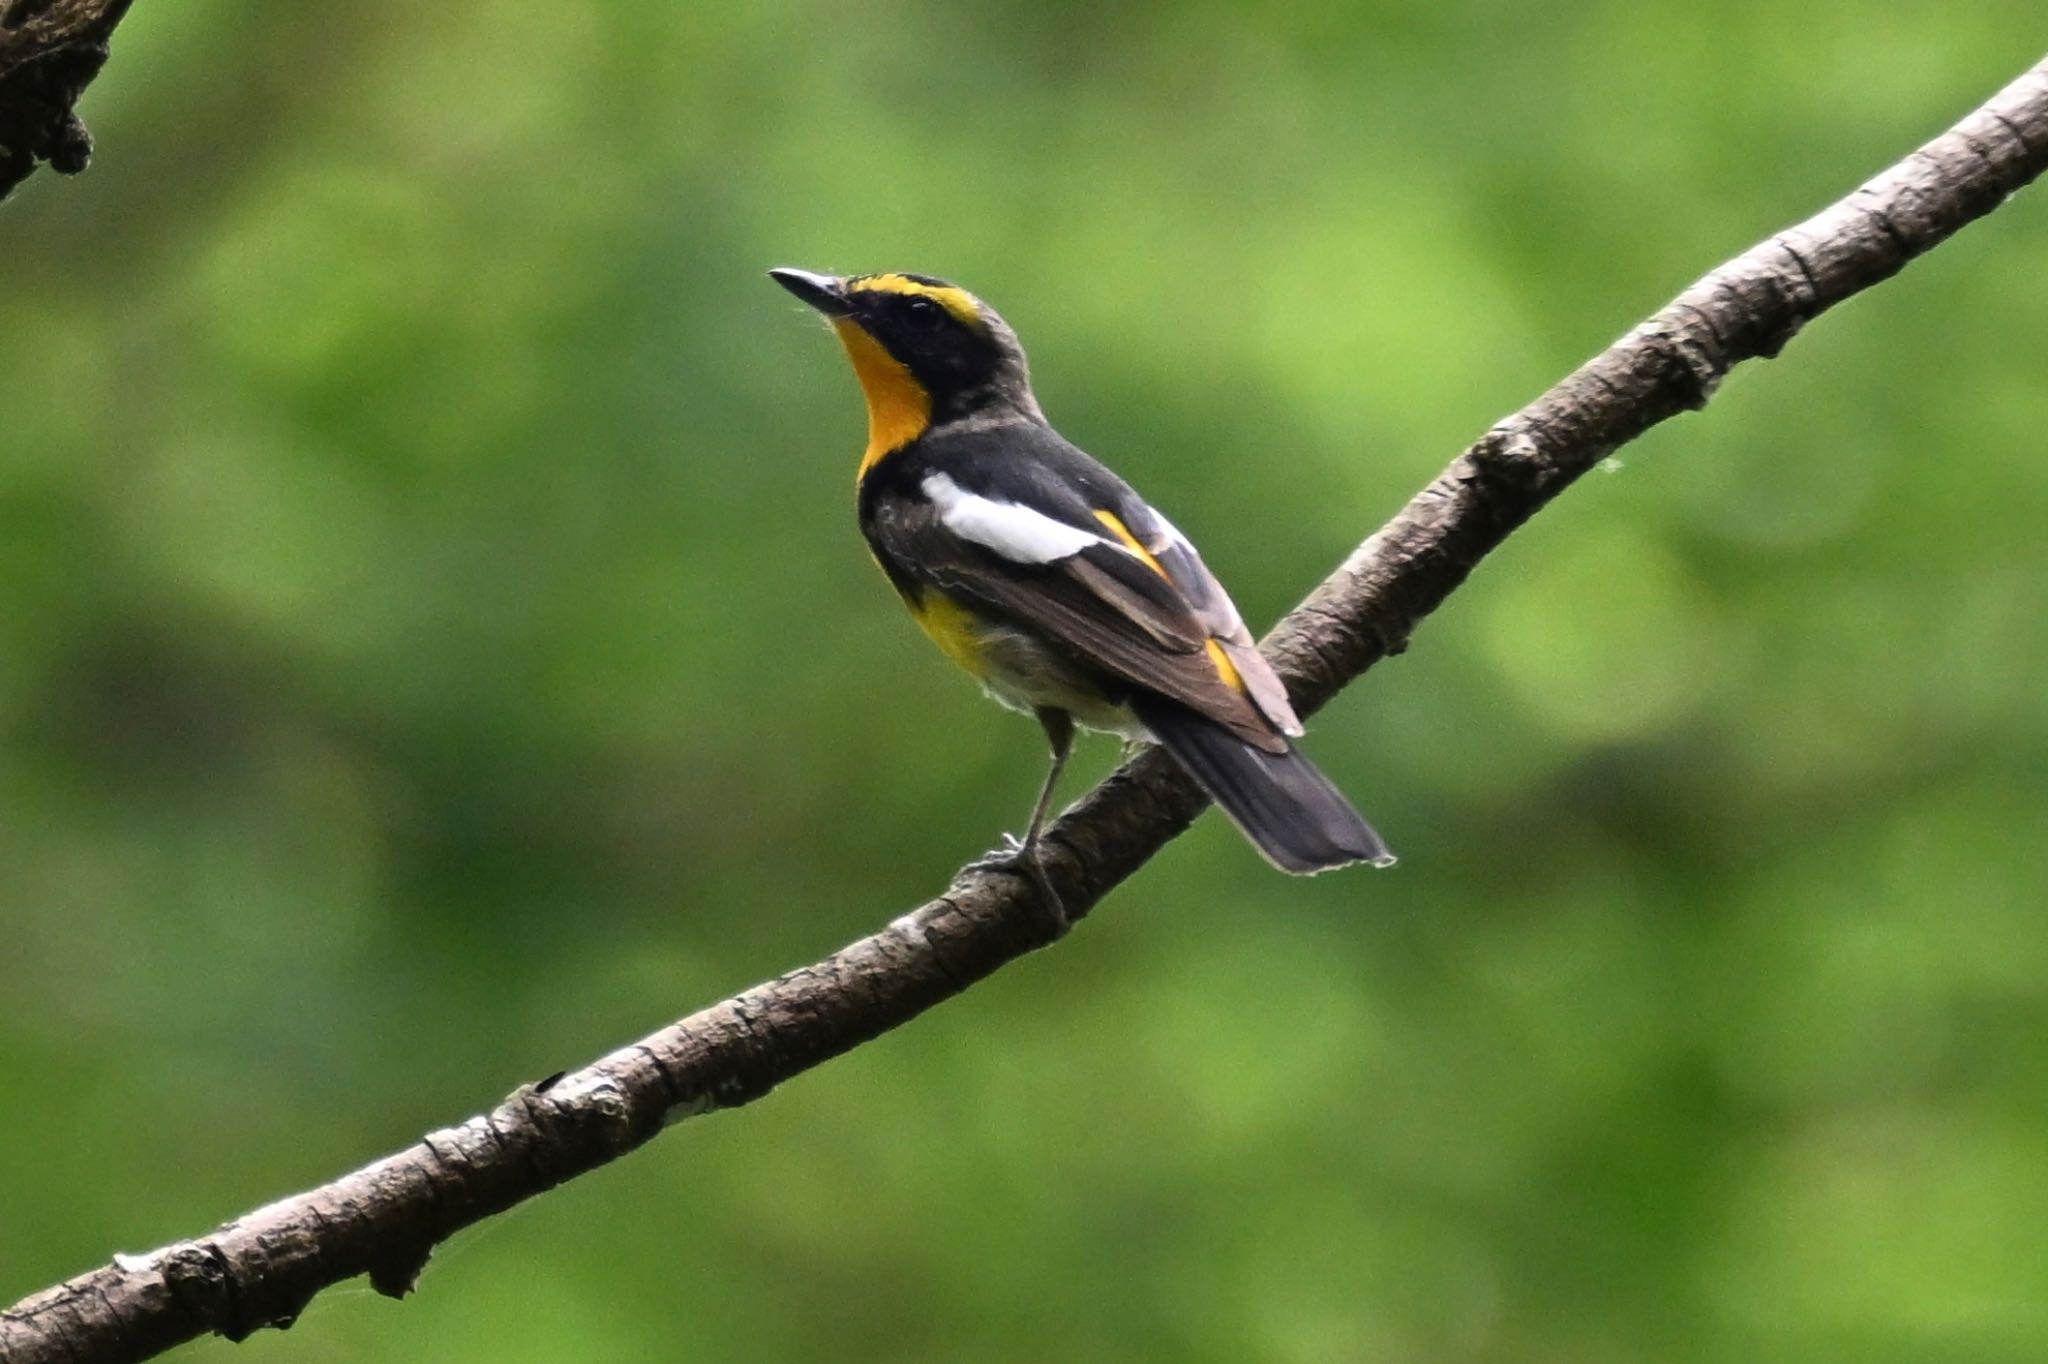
<point x="1041" y="573"/>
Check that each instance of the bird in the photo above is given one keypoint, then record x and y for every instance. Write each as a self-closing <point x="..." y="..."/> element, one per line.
<point x="1046" y="577"/>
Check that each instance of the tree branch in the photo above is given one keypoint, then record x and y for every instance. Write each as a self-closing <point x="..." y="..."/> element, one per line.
<point x="384" y="1220"/>
<point x="49" y="52"/>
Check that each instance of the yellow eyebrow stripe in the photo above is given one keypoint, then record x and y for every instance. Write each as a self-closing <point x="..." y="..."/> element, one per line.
<point x="956" y="301"/>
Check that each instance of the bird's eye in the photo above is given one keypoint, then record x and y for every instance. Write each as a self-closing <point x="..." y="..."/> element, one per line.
<point x="923" y="311"/>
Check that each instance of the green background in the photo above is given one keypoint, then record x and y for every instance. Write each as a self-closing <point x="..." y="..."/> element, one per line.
<point x="435" y="648"/>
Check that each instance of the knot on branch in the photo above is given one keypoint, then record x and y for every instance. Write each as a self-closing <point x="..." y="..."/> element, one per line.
<point x="583" y="1116"/>
<point x="1676" y="361"/>
<point x="1508" y="466"/>
<point x="204" y="1284"/>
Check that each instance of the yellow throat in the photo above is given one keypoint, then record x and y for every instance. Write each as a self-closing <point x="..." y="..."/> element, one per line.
<point x="899" y="409"/>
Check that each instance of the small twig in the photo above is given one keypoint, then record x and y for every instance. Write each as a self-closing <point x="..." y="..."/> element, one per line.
<point x="49" y="52"/>
<point x="384" y="1220"/>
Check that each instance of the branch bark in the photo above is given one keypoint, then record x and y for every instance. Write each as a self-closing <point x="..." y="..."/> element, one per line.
<point x="385" y="1219"/>
<point x="49" y="52"/>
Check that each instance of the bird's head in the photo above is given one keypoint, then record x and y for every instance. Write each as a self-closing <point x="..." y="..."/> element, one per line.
<point x="926" y="352"/>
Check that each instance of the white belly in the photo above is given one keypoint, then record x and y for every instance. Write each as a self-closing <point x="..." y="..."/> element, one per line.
<point x="1023" y="674"/>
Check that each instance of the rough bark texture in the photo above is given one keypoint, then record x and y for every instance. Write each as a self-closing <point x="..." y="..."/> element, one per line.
<point x="384" y="1220"/>
<point x="49" y="52"/>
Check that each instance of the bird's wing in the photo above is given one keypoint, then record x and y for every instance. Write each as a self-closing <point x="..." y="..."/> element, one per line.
<point x="1101" y="593"/>
<point x="1178" y="562"/>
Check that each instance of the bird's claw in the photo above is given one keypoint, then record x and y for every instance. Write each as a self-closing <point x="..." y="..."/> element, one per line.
<point x="1004" y="857"/>
<point x="1017" y="857"/>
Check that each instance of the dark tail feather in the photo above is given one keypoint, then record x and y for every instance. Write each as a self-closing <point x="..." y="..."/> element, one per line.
<point x="1284" y="805"/>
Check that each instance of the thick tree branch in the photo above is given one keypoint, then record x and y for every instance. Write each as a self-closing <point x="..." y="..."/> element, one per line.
<point x="384" y="1220"/>
<point x="49" y="52"/>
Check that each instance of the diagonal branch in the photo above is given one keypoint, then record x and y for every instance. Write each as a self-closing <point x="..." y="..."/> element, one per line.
<point x="384" y="1220"/>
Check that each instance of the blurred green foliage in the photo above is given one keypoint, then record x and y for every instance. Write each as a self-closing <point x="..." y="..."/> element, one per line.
<point x="435" y="648"/>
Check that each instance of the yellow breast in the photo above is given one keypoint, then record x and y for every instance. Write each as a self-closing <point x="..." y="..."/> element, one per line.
<point x="952" y="627"/>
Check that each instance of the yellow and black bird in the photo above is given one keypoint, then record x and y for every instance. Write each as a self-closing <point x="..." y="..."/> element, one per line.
<point x="1041" y="573"/>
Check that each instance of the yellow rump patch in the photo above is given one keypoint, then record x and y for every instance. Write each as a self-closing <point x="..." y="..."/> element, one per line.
<point x="954" y="300"/>
<point x="899" y="409"/>
<point x="951" y="627"/>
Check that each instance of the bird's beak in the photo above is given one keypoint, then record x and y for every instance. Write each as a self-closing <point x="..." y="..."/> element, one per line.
<point x="826" y="293"/>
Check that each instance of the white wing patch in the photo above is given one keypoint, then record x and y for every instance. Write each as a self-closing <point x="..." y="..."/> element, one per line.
<point x="1012" y="530"/>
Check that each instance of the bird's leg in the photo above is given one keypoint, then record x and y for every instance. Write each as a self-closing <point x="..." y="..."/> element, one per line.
<point x="1021" y="854"/>
<point x="1059" y="734"/>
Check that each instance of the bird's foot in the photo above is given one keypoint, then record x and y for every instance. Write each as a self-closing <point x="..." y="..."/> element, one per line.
<point x="1021" y="858"/>
<point x="1001" y="858"/>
